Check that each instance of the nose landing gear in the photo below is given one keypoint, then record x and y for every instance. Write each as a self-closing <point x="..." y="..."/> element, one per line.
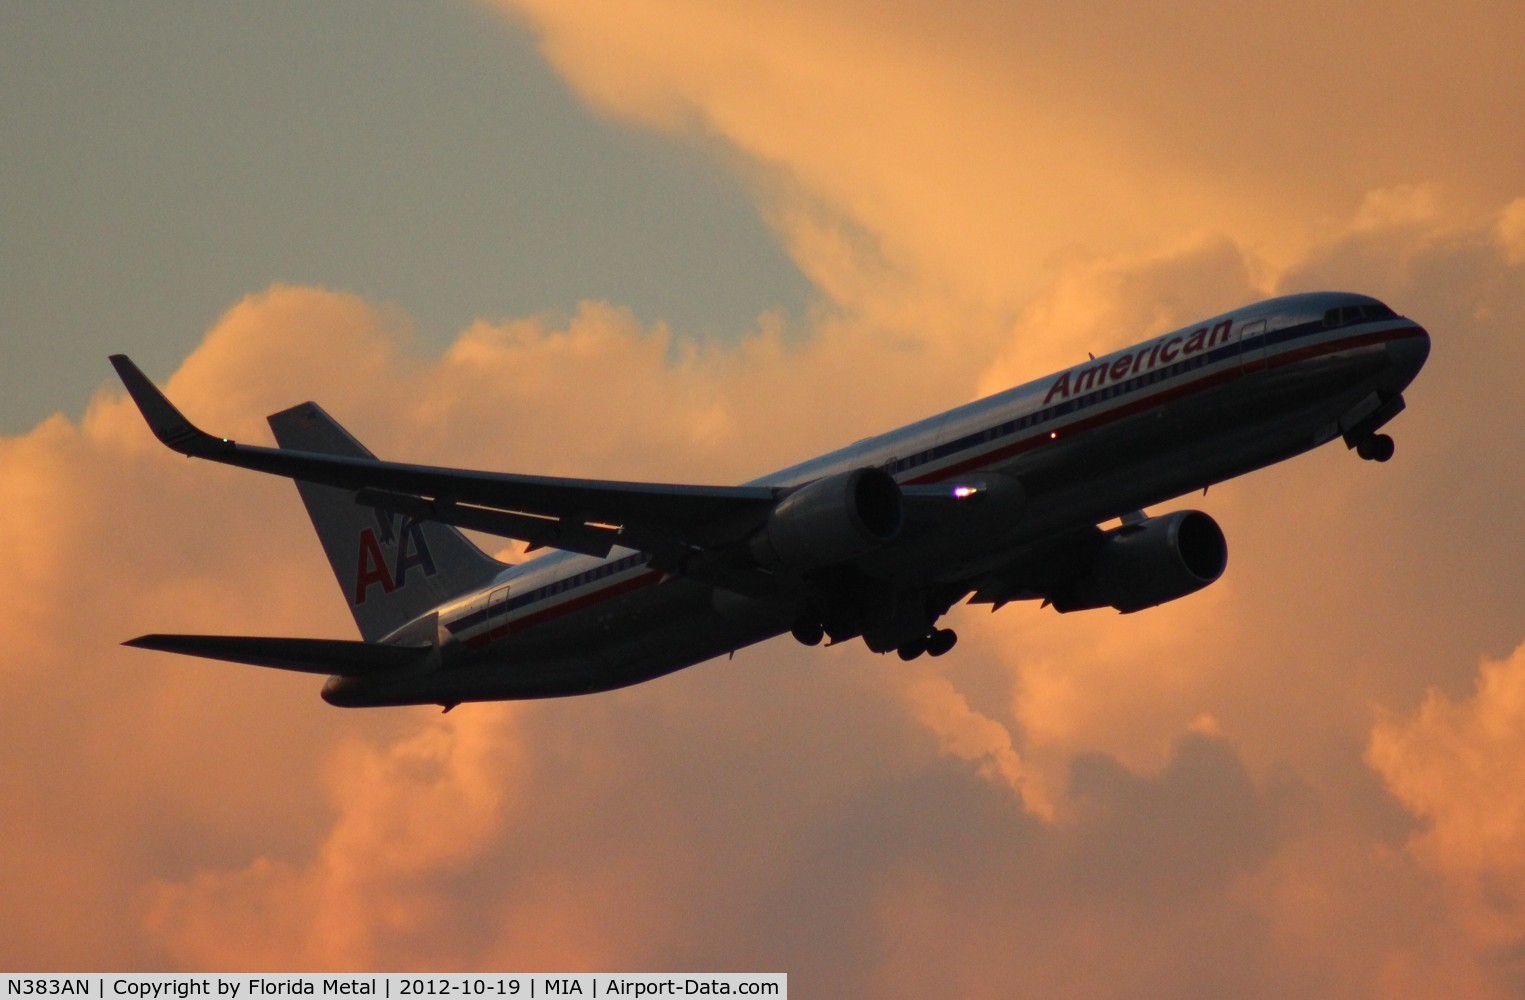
<point x="1361" y="422"/>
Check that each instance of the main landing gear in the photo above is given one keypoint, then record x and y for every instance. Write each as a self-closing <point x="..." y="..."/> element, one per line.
<point x="809" y="632"/>
<point x="935" y="643"/>
<point x="1376" y="448"/>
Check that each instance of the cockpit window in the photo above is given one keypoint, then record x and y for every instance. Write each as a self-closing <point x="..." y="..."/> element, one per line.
<point x="1345" y="315"/>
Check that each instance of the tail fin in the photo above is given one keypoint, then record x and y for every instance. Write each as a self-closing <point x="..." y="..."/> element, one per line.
<point x="391" y="570"/>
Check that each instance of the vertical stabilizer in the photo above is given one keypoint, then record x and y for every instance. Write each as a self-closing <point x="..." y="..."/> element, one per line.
<point x="391" y="569"/>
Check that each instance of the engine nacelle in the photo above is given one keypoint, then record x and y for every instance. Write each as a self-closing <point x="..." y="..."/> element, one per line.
<point x="830" y="521"/>
<point x="1141" y="565"/>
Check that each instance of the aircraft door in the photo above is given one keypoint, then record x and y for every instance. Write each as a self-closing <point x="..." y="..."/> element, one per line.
<point x="497" y="613"/>
<point x="1252" y="347"/>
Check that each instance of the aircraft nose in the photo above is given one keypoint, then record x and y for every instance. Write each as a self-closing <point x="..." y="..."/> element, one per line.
<point x="1407" y="353"/>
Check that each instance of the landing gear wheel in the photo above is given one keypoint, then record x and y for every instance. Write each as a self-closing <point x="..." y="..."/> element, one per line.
<point x="808" y="633"/>
<point x="940" y="641"/>
<point x="912" y="649"/>
<point x="1377" y="448"/>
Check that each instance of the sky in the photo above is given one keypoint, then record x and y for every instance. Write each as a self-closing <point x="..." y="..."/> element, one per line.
<point x="692" y="244"/>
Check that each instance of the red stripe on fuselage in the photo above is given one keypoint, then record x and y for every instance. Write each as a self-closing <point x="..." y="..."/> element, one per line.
<point x="487" y="636"/>
<point x="490" y="634"/>
<point x="1149" y="402"/>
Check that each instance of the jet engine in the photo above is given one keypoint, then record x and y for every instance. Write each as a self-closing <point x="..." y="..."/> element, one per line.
<point x="1147" y="563"/>
<point x="830" y="521"/>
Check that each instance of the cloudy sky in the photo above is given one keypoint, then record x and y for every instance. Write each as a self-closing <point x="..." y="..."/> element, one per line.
<point x="696" y="243"/>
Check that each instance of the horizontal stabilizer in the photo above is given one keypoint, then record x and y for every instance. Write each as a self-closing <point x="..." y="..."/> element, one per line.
<point x="343" y="657"/>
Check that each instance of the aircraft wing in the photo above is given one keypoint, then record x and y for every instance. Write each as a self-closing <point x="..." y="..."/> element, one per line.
<point x="344" y="657"/>
<point x="584" y="515"/>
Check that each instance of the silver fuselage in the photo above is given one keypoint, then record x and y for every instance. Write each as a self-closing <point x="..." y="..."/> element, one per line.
<point x="1114" y="434"/>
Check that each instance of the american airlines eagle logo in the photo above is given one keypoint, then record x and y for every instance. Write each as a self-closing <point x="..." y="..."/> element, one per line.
<point x="408" y="549"/>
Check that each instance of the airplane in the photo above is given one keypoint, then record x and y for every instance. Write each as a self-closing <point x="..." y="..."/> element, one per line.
<point x="1006" y="498"/>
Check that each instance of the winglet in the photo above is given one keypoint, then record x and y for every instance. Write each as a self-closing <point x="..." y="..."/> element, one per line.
<point x="168" y="424"/>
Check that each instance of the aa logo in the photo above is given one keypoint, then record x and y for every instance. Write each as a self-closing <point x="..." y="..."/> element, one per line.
<point x="407" y="547"/>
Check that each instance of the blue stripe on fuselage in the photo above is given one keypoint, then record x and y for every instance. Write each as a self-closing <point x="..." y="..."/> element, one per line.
<point x="986" y="445"/>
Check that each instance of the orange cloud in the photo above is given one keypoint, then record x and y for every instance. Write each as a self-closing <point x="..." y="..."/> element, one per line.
<point x="972" y="146"/>
<point x="1051" y="783"/>
<point x="411" y="814"/>
<point x="1045" y="811"/>
<point x="225" y="814"/>
<point x="1511" y="231"/>
<point x="1459" y="766"/>
<point x="972" y="736"/>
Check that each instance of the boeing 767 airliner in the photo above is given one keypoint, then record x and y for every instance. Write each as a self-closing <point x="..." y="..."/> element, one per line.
<point x="1001" y="499"/>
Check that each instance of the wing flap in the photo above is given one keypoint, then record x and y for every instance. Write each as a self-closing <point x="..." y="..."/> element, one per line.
<point x="588" y="539"/>
<point x="344" y="657"/>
